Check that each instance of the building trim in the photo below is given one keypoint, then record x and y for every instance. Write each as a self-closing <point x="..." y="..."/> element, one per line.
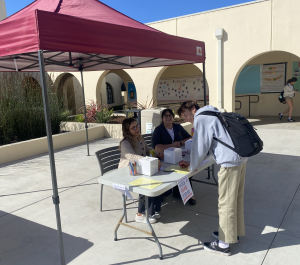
<point x="208" y="11"/>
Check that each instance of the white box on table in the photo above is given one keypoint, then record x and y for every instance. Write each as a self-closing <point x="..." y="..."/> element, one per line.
<point x="148" y="165"/>
<point x="188" y="145"/>
<point x="173" y="155"/>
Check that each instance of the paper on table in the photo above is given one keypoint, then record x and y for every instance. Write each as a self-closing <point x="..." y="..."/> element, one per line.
<point x="124" y="190"/>
<point x="146" y="183"/>
<point x="177" y="169"/>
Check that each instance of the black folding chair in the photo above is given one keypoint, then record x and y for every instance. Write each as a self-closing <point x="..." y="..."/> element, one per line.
<point x="108" y="160"/>
<point x="148" y="139"/>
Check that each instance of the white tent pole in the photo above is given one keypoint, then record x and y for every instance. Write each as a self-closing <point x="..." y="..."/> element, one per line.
<point x="55" y="196"/>
<point x="84" y="108"/>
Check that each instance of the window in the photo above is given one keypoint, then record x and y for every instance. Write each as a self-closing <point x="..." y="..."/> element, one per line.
<point x="110" y="94"/>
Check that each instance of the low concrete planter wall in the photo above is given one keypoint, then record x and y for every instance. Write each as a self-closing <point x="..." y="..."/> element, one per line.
<point x="110" y="130"/>
<point x="21" y="150"/>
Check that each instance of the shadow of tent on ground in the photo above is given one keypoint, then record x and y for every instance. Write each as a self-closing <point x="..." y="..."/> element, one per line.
<point x="26" y="242"/>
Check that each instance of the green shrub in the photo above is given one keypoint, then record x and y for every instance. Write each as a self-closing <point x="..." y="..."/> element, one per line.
<point x="79" y="118"/>
<point x="22" y="109"/>
<point x="103" y="115"/>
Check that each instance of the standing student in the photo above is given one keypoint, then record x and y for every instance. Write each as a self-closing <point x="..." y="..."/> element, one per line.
<point x="168" y="134"/>
<point x="231" y="175"/>
<point x="289" y="93"/>
<point x="134" y="147"/>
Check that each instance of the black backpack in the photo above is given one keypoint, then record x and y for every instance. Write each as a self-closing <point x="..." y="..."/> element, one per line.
<point x="281" y="98"/>
<point x="246" y="141"/>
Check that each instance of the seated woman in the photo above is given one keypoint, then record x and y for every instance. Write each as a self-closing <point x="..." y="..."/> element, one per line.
<point x="169" y="134"/>
<point x="134" y="147"/>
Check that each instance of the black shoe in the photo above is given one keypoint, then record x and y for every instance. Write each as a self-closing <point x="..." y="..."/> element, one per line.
<point x="216" y="235"/>
<point x="214" y="248"/>
<point x="192" y="201"/>
<point x="280" y="116"/>
<point x="290" y="119"/>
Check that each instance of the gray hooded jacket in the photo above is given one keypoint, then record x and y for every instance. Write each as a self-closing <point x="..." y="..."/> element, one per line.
<point x="207" y="127"/>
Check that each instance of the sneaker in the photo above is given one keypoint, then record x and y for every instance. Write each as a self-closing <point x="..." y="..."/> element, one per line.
<point x="214" y="248"/>
<point x="280" y="116"/>
<point x="290" y="119"/>
<point x="156" y="216"/>
<point x="142" y="219"/>
<point x="216" y="235"/>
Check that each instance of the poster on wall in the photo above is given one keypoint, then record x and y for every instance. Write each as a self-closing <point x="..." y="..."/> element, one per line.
<point x="131" y="92"/>
<point x="296" y="73"/>
<point x="272" y="77"/>
<point x="180" y="89"/>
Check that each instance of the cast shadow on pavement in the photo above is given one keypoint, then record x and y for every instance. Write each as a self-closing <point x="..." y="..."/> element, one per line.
<point x="26" y="242"/>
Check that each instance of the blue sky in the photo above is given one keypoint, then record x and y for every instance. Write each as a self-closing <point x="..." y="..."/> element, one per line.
<point x="148" y="10"/>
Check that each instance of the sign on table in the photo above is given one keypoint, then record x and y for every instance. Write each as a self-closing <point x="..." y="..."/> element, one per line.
<point x="124" y="190"/>
<point x="185" y="189"/>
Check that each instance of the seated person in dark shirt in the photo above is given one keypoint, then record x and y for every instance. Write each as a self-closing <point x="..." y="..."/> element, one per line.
<point x="169" y="134"/>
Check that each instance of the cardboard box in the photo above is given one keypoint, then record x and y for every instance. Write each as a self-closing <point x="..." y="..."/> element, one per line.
<point x="188" y="145"/>
<point x="148" y="166"/>
<point x="173" y="155"/>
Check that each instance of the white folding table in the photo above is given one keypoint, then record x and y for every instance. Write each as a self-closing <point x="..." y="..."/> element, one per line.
<point x="169" y="179"/>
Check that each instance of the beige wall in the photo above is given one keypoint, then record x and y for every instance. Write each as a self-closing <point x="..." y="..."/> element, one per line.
<point x="3" y="14"/>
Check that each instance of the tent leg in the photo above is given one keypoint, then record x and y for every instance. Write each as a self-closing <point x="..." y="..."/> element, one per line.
<point x="86" y="127"/>
<point x="204" y="84"/>
<point x="55" y="196"/>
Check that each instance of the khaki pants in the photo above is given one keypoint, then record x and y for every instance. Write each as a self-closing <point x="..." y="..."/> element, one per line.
<point x="231" y="203"/>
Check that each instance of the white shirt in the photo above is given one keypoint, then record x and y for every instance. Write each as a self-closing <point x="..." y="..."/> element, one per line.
<point x="171" y="132"/>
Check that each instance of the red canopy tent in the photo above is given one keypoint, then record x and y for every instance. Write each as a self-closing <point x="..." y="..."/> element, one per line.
<point x="77" y="35"/>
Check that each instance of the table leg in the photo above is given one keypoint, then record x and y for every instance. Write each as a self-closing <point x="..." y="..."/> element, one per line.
<point x="208" y="173"/>
<point x="150" y="227"/>
<point x="121" y="219"/>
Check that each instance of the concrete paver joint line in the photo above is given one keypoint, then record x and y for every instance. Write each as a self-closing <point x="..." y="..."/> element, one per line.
<point x="280" y="224"/>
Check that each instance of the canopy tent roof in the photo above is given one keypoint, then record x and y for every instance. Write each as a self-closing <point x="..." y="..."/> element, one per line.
<point x="87" y="30"/>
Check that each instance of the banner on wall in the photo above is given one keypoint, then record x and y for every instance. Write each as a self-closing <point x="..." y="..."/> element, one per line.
<point x="180" y="89"/>
<point x="296" y="73"/>
<point x="272" y="77"/>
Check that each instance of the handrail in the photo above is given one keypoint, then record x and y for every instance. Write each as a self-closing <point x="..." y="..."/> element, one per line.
<point x="238" y="101"/>
<point x="249" y="101"/>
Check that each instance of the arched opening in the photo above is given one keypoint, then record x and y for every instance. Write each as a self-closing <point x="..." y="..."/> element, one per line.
<point x="263" y="77"/>
<point x="69" y="89"/>
<point x="179" y="83"/>
<point x="113" y="88"/>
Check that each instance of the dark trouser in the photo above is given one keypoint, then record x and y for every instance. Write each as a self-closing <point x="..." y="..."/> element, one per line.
<point x="154" y="204"/>
<point x="176" y="192"/>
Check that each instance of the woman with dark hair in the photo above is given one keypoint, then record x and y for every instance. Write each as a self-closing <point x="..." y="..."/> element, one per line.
<point x="169" y="134"/>
<point x="289" y="93"/>
<point x="134" y="147"/>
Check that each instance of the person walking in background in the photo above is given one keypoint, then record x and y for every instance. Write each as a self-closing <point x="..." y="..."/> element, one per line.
<point x="231" y="175"/>
<point x="289" y="93"/>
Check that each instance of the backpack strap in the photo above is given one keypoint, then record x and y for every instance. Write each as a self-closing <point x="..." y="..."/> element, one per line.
<point x="223" y="122"/>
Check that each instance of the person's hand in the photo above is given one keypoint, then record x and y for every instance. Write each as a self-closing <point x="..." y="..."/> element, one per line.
<point x="161" y="155"/>
<point x="184" y="164"/>
<point x="159" y="165"/>
<point x="177" y="144"/>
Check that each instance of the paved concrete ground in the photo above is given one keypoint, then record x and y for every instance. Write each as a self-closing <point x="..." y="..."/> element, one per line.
<point x="28" y="227"/>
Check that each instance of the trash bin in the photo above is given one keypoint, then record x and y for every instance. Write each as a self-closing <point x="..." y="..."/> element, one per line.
<point x="149" y="116"/>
